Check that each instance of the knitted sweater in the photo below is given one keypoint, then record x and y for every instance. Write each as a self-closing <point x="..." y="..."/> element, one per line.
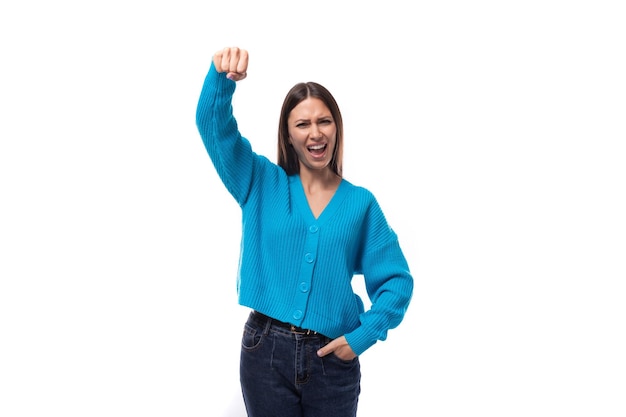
<point x="294" y="267"/>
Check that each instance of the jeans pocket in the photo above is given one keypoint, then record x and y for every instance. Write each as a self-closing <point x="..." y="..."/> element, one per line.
<point x="346" y="362"/>
<point x="252" y="338"/>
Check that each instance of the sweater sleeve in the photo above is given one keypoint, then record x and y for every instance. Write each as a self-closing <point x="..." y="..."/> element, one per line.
<point x="388" y="282"/>
<point x="230" y="153"/>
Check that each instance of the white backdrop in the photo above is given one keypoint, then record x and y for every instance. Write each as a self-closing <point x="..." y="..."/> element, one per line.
<point x="491" y="132"/>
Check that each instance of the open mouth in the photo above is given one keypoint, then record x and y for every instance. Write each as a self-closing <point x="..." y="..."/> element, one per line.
<point x="317" y="150"/>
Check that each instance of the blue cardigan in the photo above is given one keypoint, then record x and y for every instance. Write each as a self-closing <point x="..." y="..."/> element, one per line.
<point x="294" y="267"/>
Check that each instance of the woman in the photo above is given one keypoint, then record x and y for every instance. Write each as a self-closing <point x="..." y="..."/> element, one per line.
<point x="306" y="231"/>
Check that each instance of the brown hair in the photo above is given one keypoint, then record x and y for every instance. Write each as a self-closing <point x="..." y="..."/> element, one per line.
<point x="287" y="157"/>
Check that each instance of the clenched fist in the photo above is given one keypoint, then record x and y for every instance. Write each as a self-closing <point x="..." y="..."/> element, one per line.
<point x="234" y="61"/>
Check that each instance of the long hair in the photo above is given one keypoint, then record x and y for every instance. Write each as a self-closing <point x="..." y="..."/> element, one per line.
<point x="287" y="157"/>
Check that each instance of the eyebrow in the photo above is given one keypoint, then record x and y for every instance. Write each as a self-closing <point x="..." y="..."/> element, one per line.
<point x="330" y="116"/>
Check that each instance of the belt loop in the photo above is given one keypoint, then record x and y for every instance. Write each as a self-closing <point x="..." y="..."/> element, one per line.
<point x="268" y="324"/>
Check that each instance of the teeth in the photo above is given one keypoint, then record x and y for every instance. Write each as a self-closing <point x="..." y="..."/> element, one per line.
<point x="317" y="147"/>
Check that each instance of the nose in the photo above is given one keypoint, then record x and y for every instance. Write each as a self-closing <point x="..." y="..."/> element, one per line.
<point x="315" y="131"/>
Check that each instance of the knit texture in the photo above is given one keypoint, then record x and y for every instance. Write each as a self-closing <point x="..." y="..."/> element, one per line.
<point x="294" y="267"/>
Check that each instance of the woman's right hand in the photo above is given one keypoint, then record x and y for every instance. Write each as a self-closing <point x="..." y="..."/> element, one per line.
<point x="234" y="61"/>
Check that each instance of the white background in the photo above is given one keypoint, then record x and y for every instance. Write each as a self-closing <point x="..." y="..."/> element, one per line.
<point x="491" y="132"/>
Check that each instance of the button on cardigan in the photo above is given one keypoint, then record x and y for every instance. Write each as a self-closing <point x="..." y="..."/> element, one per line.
<point x="293" y="266"/>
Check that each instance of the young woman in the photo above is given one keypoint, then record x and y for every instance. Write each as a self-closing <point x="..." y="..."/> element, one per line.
<point x="306" y="231"/>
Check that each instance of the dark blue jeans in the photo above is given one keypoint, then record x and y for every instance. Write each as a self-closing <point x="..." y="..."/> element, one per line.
<point x="282" y="376"/>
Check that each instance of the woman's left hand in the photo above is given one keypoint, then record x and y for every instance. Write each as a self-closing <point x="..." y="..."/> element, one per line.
<point x="340" y="348"/>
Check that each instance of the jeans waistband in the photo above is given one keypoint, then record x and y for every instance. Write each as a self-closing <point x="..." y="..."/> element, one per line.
<point x="262" y="319"/>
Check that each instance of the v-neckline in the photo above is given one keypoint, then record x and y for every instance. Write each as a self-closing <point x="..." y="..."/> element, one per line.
<point x="303" y="203"/>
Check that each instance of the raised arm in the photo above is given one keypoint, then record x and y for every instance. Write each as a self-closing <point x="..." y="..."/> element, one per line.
<point x="230" y="153"/>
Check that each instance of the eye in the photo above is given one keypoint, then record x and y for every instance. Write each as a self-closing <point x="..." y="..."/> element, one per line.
<point x="302" y="125"/>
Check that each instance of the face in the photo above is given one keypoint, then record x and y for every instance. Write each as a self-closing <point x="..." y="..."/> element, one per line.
<point x="312" y="133"/>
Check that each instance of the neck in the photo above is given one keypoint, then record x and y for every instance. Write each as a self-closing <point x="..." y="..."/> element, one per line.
<point x="320" y="179"/>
